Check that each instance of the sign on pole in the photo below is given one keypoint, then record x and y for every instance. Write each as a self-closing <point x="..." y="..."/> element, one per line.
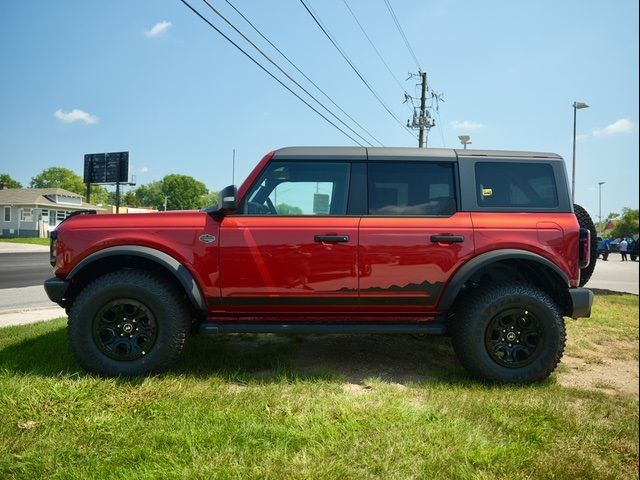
<point x="106" y="167"/>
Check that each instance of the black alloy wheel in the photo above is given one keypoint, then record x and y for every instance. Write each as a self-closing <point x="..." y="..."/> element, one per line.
<point x="514" y="338"/>
<point x="125" y="329"/>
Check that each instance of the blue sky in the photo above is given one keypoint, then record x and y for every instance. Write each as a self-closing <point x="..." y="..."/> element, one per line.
<point x="151" y="78"/>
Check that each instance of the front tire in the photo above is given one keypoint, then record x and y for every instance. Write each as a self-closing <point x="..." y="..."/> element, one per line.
<point x="128" y="323"/>
<point x="509" y="333"/>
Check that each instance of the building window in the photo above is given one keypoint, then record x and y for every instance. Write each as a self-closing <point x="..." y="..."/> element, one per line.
<point x="7" y="214"/>
<point x="26" y="215"/>
<point x="61" y="215"/>
<point x="52" y="218"/>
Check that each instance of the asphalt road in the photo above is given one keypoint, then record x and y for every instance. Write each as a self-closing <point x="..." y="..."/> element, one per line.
<point x="24" y="269"/>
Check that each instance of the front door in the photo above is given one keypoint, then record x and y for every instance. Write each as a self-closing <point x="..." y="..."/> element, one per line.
<point x="292" y="249"/>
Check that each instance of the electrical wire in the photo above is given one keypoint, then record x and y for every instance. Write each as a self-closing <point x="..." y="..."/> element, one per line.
<point x="301" y="72"/>
<point x="217" y="12"/>
<point x="326" y="32"/>
<point x="262" y="67"/>
<point x="404" y="37"/>
<point x="374" y="47"/>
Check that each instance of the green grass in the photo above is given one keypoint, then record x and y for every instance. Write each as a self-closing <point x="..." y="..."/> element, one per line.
<point x="311" y="407"/>
<point x="32" y="241"/>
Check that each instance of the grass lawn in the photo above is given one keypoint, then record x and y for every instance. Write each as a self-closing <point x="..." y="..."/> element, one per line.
<point x="336" y="406"/>
<point x="33" y="241"/>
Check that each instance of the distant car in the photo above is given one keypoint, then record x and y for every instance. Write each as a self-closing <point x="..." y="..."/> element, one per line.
<point x="632" y="247"/>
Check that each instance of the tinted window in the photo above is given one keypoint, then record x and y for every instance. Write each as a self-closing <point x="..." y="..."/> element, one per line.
<point x="418" y="188"/>
<point x="300" y="188"/>
<point x="503" y="184"/>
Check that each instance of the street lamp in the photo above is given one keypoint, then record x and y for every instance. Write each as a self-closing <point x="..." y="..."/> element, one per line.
<point x="464" y="140"/>
<point x="600" y="205"/>
<point x="576" y="107"/>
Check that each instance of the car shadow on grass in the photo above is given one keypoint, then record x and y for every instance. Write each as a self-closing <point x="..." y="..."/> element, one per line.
<point x="268" y="358"/>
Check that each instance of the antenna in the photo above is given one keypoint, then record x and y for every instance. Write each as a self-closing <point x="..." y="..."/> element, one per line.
<point x="233" y="168"/>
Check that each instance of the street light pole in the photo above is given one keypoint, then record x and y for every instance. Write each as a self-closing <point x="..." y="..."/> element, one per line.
<point x="464" y="140"/>
<point x="576" y="106"/>
<point x="600" y="205"/>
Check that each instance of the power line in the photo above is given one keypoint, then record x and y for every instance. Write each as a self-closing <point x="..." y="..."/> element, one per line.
<point x="374" y="47"/>
<point x="284" y="72"/>
<point x="267" y="71"/>
<point x="404" y="37"/>
<point x="353" y="67"/>
<point x="301" y="72"/>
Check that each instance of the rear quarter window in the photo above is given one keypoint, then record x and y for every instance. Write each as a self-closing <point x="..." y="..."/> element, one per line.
<point x="524" y="185"/>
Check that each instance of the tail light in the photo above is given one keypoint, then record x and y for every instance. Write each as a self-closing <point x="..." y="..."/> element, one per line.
<point x="52" y="248"/>
<point x="584" y="254"/>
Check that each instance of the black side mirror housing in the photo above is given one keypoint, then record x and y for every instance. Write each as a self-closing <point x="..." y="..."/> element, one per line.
<point x="227" y="201"/>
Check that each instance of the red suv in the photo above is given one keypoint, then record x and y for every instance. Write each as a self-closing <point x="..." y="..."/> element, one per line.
<point x="484" y="246"/>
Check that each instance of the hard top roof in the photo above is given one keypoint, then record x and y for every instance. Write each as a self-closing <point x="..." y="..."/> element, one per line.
<point x="399" y="153"/>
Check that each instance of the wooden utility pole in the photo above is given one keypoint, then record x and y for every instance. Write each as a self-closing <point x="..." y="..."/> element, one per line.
<point x="423" y="109"/>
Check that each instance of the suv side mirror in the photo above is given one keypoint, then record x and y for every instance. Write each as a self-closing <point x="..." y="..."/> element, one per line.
<point x="227" y="199"/>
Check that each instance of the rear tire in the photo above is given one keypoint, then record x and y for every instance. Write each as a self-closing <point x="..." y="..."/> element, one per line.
<point x="128" y="323"/>
<point x="509" y="333"/>
<point x="584" y="220"/>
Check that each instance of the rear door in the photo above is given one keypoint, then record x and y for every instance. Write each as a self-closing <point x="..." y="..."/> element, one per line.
<point x="293" y="249"/>
<point x="413" y="238"/>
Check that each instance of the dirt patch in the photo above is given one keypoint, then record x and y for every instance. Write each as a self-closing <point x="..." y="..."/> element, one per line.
<point x="608" y="376"/>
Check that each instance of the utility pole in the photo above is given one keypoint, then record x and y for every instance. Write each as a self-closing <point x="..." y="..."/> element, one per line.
<point x="421" y="117"/>
<point x="600" y="205"/>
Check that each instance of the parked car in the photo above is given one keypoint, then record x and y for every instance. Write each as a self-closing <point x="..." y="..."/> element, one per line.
<point x="632" y="247"/>
<point x="603" y="248"/>
<point x="484" y="246"/>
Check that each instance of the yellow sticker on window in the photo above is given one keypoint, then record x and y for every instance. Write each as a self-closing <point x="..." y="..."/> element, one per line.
<point x="487" y="192"/>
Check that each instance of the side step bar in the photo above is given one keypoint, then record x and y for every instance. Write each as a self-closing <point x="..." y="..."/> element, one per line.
<point x="232" y="327"/>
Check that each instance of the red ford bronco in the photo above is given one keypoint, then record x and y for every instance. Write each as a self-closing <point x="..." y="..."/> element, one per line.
<point x="484" y="246"/>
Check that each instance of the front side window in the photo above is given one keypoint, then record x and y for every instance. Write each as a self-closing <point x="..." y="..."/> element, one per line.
<point x="411" y="189"/>
<point x="300" y="188"/>
<point x="7" y="214"/>
<point x="505" y="184"/>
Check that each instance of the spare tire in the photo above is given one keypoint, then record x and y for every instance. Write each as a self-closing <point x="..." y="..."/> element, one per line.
<point x="585" y="222"/>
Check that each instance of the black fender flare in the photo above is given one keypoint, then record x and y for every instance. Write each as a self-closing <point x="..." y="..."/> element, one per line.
<point x="472" y="266"/>
<point x="179" y="271"/>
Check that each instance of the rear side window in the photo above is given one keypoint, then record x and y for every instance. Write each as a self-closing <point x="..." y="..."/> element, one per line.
<point x="504" y="184"/>
<point x="419" y="188"/>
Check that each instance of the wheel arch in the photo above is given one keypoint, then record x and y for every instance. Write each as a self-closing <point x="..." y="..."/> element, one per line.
<point x="547" y="275"/>
<point x="135" y="256"/>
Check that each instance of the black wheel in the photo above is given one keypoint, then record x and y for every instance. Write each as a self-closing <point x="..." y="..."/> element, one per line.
<point x="584" y="220"/>
<point x="508" y="333"/>
<point x="633" y="257"/>
<point x="128" y="323"/>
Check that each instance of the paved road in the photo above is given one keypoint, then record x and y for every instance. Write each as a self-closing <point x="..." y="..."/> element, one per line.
<point x="23" y="269"/>
<point x="616" y="275"/>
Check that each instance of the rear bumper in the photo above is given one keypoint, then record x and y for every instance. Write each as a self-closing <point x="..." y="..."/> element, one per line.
<point x="56" y="289"/>
<point x="581" y="299"/>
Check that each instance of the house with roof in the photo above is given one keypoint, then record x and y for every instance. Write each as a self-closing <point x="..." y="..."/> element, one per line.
<point x="34" y="212"/>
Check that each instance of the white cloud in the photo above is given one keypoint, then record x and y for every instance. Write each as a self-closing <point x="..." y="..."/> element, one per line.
<point x="158" y="29"/>
<point x="75" y="115"/>
<point x="466" y="125"/>
<point x="624" y="125"/>
<point x="144" y="169"/>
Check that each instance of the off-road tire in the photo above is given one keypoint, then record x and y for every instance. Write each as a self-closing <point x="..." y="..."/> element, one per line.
<point x="153" y="292"/>
<point x="584" y="220"/>
<point x="476" y="312"/>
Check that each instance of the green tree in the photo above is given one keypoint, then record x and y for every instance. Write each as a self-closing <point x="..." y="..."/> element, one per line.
<point x="208" y="200"/>
<point x="286" y="209"/>
<point x="60" y="177"/>
<point x="182" y="191"/>
<point x="149" y="195"/>
<point x="10" y="182"/>
<point x="627" y="224"/>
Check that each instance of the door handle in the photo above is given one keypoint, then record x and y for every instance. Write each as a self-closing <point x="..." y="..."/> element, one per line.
<point x="331" y="238"/>
<point x="447" y="238"/>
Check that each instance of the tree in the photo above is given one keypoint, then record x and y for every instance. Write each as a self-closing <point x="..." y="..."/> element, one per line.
<point x="627" y="225"/>
<point x="60" y="177"/>
<point x="149" y="195"/>
<point x="182" y="191"/>
<point x="209" y="200"/>
<point x="10" y="182"/>
<point x="286" y="209"/>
